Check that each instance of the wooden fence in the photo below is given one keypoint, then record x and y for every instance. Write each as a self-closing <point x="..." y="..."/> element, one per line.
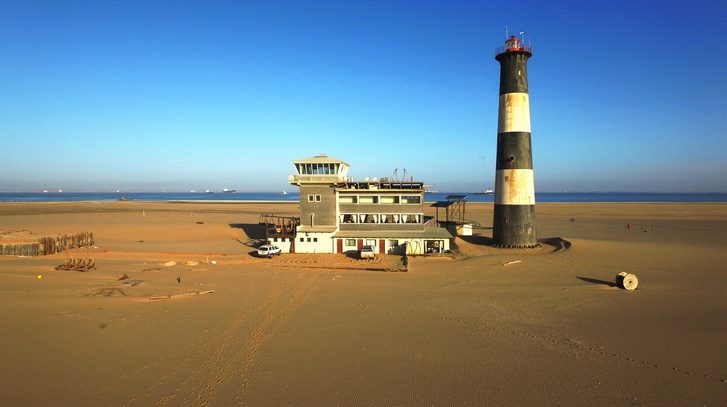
<point x="47" y="245"/>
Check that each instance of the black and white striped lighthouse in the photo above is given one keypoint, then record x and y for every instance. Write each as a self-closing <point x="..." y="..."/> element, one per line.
<point x="514" y="220"/>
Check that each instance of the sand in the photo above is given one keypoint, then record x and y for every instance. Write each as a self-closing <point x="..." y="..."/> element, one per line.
<point x="483" y="327"/>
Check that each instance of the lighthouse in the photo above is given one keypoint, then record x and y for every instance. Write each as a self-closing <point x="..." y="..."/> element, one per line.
<point x="514" y="218"/>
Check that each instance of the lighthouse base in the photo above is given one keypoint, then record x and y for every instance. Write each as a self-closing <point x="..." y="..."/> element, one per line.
<point x="514" y="227"/>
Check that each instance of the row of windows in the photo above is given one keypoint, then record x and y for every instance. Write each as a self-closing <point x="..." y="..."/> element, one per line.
<point x="302" y="239"/>
<point x="383" y="199"/>
<point x="314" y="198"/>
<point x="380" y="218"/>
<point x="369" y="242"/>
<point x="318" y="169"/>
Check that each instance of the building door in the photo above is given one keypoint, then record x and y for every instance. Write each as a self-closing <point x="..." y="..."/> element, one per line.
<point x="360" y="244"/>
<point x="339" y="245"/>
<point x="292" y="245"/>
<point x="382" y="246"/>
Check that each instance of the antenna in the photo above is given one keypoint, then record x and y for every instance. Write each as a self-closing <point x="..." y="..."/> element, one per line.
<point x="507" y="32"/>
<point x="395" y="175"/>
<point x="522" y="35"/>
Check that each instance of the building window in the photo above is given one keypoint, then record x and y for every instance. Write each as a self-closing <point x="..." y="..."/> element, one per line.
<point x="310" y="198"/>
<point x="348" y="199"/>
<point x="318" y="198"/>
<point x="308" y="240"/>
<point x="315" y="239"/>
<point x="370" y="218"/>
<point x="388" y="218"/>
<point x="371" y="242"/>
<point x="410" y="218"/>
<point x="392" y="199"/>
<point x="302" y="239"/>
<point x="411" y="199"/>
<point x="350" y="242"/>
<point x="393" y="243"/>
<point x="368" y="199"/>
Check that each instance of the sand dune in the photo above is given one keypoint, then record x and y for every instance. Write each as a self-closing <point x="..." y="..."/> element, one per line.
<point x="483" y="327"/>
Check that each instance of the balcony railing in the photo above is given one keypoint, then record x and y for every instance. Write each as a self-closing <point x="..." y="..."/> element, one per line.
<point x="296" y="178"/>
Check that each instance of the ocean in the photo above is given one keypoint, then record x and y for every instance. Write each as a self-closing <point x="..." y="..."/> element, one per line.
<point x="293" y="197"/>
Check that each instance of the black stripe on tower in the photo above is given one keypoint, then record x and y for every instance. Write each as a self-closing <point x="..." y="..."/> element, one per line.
<point x="514" y="151"/>
<point x="514" y="226"/>
<point x="513" y="71"/>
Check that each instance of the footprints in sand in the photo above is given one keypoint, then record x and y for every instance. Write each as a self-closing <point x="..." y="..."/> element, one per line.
<point x="569" y="345"/>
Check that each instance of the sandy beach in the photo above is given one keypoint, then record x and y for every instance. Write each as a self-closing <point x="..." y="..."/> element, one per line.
<point x="484" y="326"/>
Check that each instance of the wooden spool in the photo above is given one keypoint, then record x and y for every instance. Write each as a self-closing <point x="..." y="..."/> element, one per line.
<point x="627" y="281"/>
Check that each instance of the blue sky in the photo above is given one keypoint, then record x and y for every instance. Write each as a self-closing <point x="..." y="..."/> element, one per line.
<point x="625" y="96"/>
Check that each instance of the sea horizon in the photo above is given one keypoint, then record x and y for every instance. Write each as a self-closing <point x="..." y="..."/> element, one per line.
<point x="294" y="196"/>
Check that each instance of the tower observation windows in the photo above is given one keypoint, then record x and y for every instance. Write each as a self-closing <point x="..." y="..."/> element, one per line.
<point x="317" y="168"/>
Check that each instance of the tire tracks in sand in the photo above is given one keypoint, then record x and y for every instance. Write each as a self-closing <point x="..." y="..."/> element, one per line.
<point x="232" y="361"/>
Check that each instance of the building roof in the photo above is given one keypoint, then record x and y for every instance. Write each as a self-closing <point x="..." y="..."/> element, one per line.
<point x="425" y="233"/>
<point x="316" y="229"/>
<point x="442" y="204"/>
<point x="321" y="159"/>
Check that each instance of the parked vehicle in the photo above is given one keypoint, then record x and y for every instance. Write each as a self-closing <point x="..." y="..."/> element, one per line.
<point x="367" y="252"/>
<point x="268" y="250"/>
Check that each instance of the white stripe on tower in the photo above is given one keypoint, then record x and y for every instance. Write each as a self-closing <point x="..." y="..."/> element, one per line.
<point x="514" y="187"/>
<point x="514" y="113"/>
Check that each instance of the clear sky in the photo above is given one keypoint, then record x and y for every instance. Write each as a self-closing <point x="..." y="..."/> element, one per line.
<point x="151" y="95"/>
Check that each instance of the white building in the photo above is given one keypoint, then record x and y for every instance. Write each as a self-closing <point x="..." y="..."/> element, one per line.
<point x="339" y="215"/>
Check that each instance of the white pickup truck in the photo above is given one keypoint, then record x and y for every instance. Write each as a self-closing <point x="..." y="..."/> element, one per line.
<point x="367" y="252"/>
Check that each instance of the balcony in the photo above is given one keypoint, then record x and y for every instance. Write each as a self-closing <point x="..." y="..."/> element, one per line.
<point x="297" y="179"/>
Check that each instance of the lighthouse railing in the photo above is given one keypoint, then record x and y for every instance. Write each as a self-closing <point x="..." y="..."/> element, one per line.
<point x="504" y="48"/>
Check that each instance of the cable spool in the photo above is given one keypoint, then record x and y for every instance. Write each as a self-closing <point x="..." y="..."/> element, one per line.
<point x="627" y="281"/>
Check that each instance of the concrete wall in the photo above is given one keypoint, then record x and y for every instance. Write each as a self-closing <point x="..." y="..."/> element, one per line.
<point x="324" y="211"/>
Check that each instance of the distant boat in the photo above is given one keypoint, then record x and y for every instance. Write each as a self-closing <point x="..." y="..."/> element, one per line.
<point x="45" y="191"/>
<point x="489" y="191"/>
<point x="284" y="193"/>
<point x="207" y="191"/>
<point x="123" y="198"/>
<point x="229" y="191"/>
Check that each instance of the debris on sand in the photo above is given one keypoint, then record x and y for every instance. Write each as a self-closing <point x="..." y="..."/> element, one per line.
<point x="512" y="262"/>
<point x="131" y="283"/>
<point x="169" y="297"/>
<point x="170" y="263"/>
<point x="627" y="281"/>
<point x="192" y="263"/>
<point x="124" y="277"/>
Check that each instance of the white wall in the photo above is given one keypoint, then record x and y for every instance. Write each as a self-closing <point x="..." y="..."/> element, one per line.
<point x="282" y="243"/>
<point x="324" y="243"/>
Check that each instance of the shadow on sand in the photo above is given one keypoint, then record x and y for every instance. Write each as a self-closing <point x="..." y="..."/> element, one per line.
<point x="254" y="231"/>
<point x="597" y="281"/>
<point x="477" y="239"/>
